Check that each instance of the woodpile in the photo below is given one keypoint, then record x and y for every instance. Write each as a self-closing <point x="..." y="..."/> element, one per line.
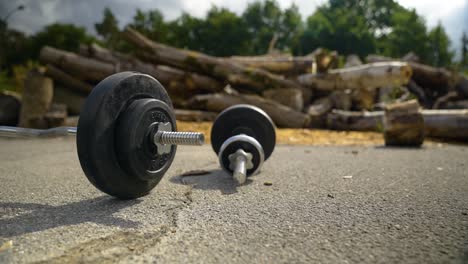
<point x="297" y="92"/>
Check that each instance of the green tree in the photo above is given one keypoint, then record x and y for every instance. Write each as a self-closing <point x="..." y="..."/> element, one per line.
<point x="151" y="24"/>
<point x="408" y="33"/>
<point x="223" y="33"/>
<point x="264" y="20"/>
<point x="338" y="28"/>
<point x="439" y="47"/>
<point x="464" y="50"/>
<point x="186" y="32"/>
<point x="108" y="29"/>
<point x="62" y="36"/>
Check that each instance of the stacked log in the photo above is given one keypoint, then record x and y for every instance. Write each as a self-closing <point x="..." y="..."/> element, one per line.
<point x="296" y="91"/>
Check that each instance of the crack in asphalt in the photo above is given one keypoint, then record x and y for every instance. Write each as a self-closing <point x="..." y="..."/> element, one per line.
<point x="122" y="244"/>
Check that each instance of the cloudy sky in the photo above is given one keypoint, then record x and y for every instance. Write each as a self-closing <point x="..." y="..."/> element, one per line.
<point x="454" y="16"/>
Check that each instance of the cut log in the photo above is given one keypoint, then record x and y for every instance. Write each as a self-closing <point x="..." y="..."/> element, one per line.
<point x="56" y="116"/>
<point x="36" y="100"/>
<point x="64" y="79"/>
<point x="324" y="60"/>
<point x="442" y="102"/>
<point x="341" y="100"/>
<point x="78" y="66"/>
<point x="368" y="76"/>
<point x="426" y="76"/>
<point x="418" y="91"/>
<point x="288" y="97"/>
<point x="403" y="124"/>
<point x="436" y="79"/>
<point x="352" y="61"/>
<point x="164" y="74"/>
<point x="283" y="116"/>
<point x="73" y="100"/>
<point x="285" y="65"/>
<point x="355" y="121"/>
<point x="10" y="106"/>
<point x="460" y="104"/>
<point x="449" y="124"/>
<point x="224" y="69"/>
<point x="194" y="115"/>
<point x="318" y="110"/>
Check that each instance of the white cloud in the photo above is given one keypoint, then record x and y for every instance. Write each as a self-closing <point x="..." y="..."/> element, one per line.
<point x="38" y="13"/>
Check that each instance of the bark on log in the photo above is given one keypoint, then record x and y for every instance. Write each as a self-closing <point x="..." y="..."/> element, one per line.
<point x="36" y="100"/>
<point x="283" y="116"/>
<point x="449" y="124"/>
<point x="418" y="91"/>
<point x="461" y="104"/>
<point x="223" y="69"/>
<point x="369" y="76"/>
<point x="165" y="74"/>
<point x="318" y="111"/>
<point x="403" y="124"/>
<point x="352" y="60"/>
<point x="73" y="100"/>
<point x="289" y="97"/>
<point x="9" y="109"/>
<point x="56" y="116"/>
<point x="426" y="76"/>
<point x="283" y="65"/>
<point x="67" y="80"/>
<point x="355" y="121"/>
<point x="442" y="102"/>
<point x="78" y="66"/>
<point x="194" y="115"/>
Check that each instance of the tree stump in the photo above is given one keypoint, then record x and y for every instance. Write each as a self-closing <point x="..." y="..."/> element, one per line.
<point x="37" y="98"/>
<point x="403" y="124"/>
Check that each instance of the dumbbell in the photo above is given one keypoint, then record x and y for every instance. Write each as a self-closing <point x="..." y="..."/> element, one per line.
<point x="243" y="137"/>
<point x="126" y="139"/>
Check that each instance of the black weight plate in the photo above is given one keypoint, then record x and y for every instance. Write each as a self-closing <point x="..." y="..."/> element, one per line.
<point x="136" y="151"/>
<point x="96" y="135"/>
<point x="244" y="119"/>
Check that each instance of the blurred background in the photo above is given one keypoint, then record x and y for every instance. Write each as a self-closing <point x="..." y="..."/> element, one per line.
<point x="428" y="38"/>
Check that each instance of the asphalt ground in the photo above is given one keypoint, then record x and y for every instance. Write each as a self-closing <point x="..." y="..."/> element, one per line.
<point x="309" y="204"/>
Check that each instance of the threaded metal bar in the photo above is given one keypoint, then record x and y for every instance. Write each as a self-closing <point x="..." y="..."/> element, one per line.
<point x="8" y="131"/>
<point x="179" y="138"/>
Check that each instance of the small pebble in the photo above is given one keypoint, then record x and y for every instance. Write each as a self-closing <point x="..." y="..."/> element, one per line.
<point x="267" y="183"/>
<point x="355" y="152"/>
<point x="330" y="196"/>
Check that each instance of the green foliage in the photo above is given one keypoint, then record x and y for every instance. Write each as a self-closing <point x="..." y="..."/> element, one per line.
<point x="265" y="19"/>
<point x="61" y="36"/>
<point x="6" y="82"/>
<point x="223" y="33"/>
<point x="359" y="27"/>
<point x="439" y="47"/>
<point x="408" y="33"/>
<point x="340" y="29"/>
<point x="151" y="24"/>
<point x="464" y="50"/>
<point x="108" y="29"/>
